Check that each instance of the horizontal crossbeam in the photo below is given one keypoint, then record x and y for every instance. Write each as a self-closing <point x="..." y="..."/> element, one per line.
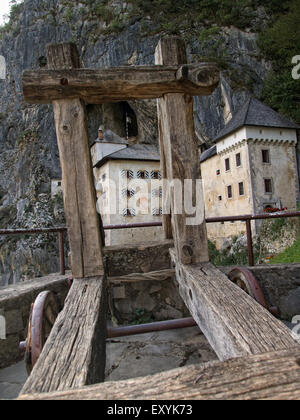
<point x="119" y="83"/>
<point x="271" y="376"/>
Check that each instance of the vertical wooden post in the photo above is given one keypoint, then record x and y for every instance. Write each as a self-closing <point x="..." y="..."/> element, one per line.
<point x="79" y="191"/>
<point x="75" y="352"/>
<point x="180" y="155"/>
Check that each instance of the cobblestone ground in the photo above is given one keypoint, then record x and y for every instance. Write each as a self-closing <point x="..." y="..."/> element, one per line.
<point x="131" y="357"/>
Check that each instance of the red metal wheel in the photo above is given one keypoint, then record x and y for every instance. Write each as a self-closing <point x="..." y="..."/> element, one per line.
<point x="42" y="318"/>
<point x="246" y="280"/>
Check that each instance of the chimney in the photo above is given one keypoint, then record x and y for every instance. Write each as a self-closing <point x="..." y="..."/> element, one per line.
<point x="101" y="133"/>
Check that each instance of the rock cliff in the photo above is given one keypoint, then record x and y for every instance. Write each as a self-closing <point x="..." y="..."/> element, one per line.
<point x="110" y="36"/>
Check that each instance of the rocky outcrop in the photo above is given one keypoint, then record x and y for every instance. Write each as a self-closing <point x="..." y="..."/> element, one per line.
<point x="28" y="150"/>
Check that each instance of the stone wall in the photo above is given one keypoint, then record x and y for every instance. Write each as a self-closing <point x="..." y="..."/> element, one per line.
<point x="15" y="305"/>
<point x="135" y="302"/>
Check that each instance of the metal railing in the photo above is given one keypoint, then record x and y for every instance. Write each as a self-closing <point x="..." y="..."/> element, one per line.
<point x="247" y="218"/>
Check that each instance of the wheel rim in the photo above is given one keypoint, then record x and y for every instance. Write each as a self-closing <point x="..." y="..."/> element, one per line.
<point x="43" y="316"/>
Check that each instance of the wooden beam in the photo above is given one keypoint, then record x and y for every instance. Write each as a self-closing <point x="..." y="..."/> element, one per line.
<point x="233" y="322"/>
<point x="78" y="183"/>
<point x="117" y="84"/>
<point x="271" y="376"/>
<point x="179" y="145"/>
<point x="74" y="354"/>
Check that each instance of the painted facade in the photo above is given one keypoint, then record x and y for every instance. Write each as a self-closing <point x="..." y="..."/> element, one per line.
<point x="250" y="169"/>
<point x="128" y="184"/>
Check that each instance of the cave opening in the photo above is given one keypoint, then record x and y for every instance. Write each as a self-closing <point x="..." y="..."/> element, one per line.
<point x="129" y="120"/>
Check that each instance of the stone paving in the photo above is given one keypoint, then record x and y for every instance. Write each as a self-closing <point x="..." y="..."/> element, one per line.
<point x="12" y="380"/>
<point x="131" y="357"/>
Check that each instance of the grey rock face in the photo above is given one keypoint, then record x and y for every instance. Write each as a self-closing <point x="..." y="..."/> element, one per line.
<point x="28" y="149"/>
<point x="290" y="304"/>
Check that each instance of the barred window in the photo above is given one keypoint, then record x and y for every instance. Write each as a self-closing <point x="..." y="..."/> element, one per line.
<point x="155" y="175"/>
<point x="129" y="213"/>
<point x="157" y="212"/>
<point x="128" y="193"/>
<point x="129" y="174"/>
<point x="143" y="175"/>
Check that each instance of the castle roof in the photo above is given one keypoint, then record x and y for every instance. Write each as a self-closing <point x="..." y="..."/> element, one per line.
<point x="255" y="113"/>
<point x="144" y="152"/>
<point x="110" y="137"/>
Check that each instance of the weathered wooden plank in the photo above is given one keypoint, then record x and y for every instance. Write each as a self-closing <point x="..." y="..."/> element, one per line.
<point x="271" y="376"/>
<point x="233" y="322"/>
<point x="74" y="354"/>
<point x="178" y="140"/>
<point x="117" y="84"/>
<point x="79" y="191"/>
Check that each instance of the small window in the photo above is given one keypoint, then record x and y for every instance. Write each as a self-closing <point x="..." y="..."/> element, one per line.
<point x="238" y="160"/>
<point x="143" y="175"/>
<point x="241" y="188"/>
<point x="218" y="172"/>
<point x="265" y="156"/>
<point x="268" y="186"/>
<point x="103" y="177"/>
<point x="155" y="175"/>
<point x="128" y="174"/>
<point x="229" y="191"/>
<point x="129" y="213"/>
<point x="128" y="193"/>
<point x="59" y="184"/>
<point x="227" y="165"/>
<point x="220" y="198"/>
<point x="157" y="212"/>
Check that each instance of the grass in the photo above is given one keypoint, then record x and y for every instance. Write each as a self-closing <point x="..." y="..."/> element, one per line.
<point x="289" y="256"/>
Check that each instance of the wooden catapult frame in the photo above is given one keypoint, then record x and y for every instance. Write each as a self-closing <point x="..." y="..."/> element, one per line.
<point x="259" y="358"/>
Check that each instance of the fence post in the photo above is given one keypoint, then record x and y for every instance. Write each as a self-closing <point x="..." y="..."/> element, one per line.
<point x="62" y="253"/>
<point x="250" y="243"/>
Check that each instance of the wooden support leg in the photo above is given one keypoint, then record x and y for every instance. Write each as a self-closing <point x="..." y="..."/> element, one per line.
<point x="74" y="354"/>
<point x="178" y="142"/>
<point x="78" y="182"/>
